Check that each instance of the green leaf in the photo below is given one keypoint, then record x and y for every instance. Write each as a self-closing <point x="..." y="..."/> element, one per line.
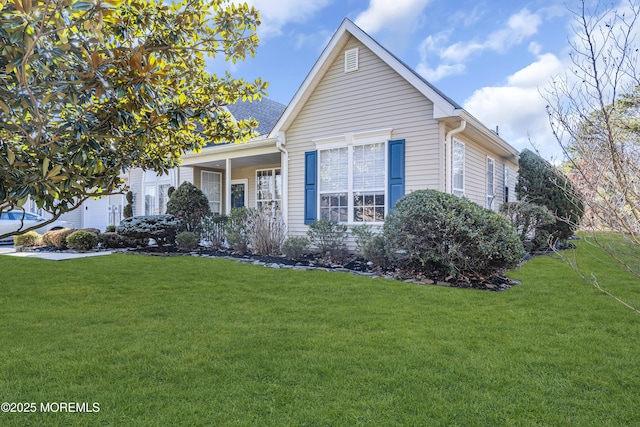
<point x="82" y="5"/>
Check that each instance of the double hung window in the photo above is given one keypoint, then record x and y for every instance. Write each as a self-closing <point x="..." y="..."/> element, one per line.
<point x="268" y="189"/>
<point x="458" y="168"/>
<point x="353" y="183"/>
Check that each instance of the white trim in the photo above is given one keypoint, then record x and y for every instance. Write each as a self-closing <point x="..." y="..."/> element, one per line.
<point x="351" y="60"/>
<point x="367" y="139"/>
<point x="201" y="188"/>
<point x="493" y="182"/>
<point x="353" y="138"/>
<point x="244" y="182"/>
<point x="442" y="107"/>
<point x="464" y="168"/>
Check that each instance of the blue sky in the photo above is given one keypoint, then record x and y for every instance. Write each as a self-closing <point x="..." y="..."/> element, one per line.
<point x="493" y="57"/>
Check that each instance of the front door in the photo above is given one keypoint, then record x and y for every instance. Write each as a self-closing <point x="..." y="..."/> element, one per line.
<point x="239" y="193"/>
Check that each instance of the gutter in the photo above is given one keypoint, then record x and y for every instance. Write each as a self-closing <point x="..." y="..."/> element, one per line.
<point x="449" y="155"/>
<point x="284" y="170"/>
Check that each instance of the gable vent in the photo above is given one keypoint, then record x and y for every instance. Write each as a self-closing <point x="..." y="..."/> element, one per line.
<point x="351" y="60"/>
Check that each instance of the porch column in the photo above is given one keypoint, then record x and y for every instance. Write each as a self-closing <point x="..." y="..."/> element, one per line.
<point x="227" y="184"/>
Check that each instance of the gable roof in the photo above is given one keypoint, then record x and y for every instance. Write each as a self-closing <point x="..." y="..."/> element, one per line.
<point x="444" y="108"/>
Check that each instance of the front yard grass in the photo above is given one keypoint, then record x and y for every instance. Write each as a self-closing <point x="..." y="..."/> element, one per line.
<point x="192" y="341"/>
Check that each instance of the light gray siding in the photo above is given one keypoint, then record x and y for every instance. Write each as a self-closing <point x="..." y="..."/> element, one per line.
<point x="374" y="97"/>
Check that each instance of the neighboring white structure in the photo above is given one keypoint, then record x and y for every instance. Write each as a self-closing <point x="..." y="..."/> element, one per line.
<point x="362" y="130"/>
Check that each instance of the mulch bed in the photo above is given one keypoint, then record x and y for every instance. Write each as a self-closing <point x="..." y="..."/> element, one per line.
<point x="353" y="263"/>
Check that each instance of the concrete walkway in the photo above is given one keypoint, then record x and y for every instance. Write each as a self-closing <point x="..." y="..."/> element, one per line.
<point x="53" y="256"/>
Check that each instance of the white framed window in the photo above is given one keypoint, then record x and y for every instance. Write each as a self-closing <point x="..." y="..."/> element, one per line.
<point x="211" y="186"/>
<point x="268" y="188"/>
<point x="490" y="181"/>
<point x="458" y="168"/>
<point x="352" y="183"/>
<point x="156" y="197"/>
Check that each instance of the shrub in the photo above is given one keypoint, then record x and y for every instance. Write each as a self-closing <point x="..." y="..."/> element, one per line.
<point x="114" y="240"/>
<point x="110" y="229"/>
<point x="187" y="240"/>
<point x="266" y="232"/>
<point x="189" y="204"/>
<point x="57" y="238"/>
<point x="91" y="230"/>
<point x="327" y="236"/>
<point x="362" y="234"/>
<point x="430" y="230"/>
<point x="28" y="239"/>
<point x="212" y="229"/>
<point x="376" y="251"/>
<point x="127" y="212"/>
<point x="529" y="221"/>
<point x="236" y="229"/>
<point x="295" y="247"/>
<point x="82" y="240"/>
<point x="541" y="183"/>
<point x="161" y="228"/>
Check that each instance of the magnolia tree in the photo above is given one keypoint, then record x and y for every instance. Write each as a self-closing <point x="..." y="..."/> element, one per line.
<point x="594" y="112"/>
<point x="89" y="89"/>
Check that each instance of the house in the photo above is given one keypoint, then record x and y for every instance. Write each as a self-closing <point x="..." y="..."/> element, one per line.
<point x="362" y="130"/>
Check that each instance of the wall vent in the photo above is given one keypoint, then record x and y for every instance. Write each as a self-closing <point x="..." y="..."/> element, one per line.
<point x="351" y="60"/>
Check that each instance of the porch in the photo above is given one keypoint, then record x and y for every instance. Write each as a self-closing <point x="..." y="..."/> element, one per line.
<point x="237" y="175"/>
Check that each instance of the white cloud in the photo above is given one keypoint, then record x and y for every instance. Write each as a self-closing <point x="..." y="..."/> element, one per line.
<point x="276" y="14"/>
<point x="518" y="107"/>
<point x="451" y="58"/>
<point x="384" y="13"/>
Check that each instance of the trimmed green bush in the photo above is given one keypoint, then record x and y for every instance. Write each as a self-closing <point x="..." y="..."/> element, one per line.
<point x="430" y="230"/>
<point x="376" y="251"/>
<point x="327" y="236"/>
<point x="161" y="228"/>
<point x="57" y="238"/>
<point x="362" y="234"/>
<point x="189" y="204"/>
<point x="295" y="247"/>
<point x="110" y="229"/>
<point x="236" y="229"/>
<point x="187" y="240"/>
<point x="28" y="239"/>
<point x="82" y="240"/>
<point x="112" y="240"/>
<point x="530" y="221"/>
<point x="127" y="212"/>
<point x="541" y="183"/>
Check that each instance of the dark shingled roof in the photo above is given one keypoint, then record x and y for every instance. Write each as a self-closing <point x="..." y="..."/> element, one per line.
<point x="266" y="112"/>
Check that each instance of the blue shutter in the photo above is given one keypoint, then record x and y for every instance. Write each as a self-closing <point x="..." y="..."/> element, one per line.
<point x="310" y="186"/>
<point x="396" y="171"/>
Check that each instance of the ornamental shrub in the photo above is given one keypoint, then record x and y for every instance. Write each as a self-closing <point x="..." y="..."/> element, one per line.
<point x="189" y="204"/>
<point x="187" y="240"/>
<point x="542" y="184"/>
<point x="113" y="240"/>
<point x="161" y="228"/>
<point x="236" y="229"/>
<point x="110" y="228"/>
<point x="82" y="240"/>
<point x="327" y="236"/>
<point x="266" y="232"/>
<point x="28" y="239"/>
<point x="295" y="247"/>
<point x="127" y="212"/>
<point x="362" y="234"/>
<point x="529" y="221"/>
<point x="376" y="250"/>
<point x="429" y="230"/>
<point x="57" y="238"/>
<point x="212" y="230"/>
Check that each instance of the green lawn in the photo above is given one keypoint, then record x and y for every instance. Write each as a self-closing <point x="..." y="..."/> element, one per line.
<point x="191" y="341"/>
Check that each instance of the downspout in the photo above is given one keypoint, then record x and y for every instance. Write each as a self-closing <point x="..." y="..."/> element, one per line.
<point x="284" y="170"/>
<point x="448" y="142"/>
